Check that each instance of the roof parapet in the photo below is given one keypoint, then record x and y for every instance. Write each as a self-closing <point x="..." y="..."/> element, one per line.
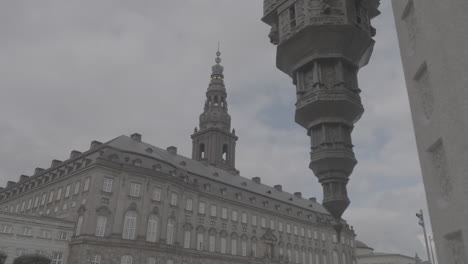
<point x="257" y="180"/>
<point x="172" y="150"/>
<point x="74" y="154"/>
<point x="298" y="194"/>
<point x="55" y="163"/>
<point x="23" y="178"/>
<point x="95" y="144"/>
<point x="136" y="137"/>
<point x="278" y="187"/>
<point x="38" y="170"/>
<point x="10" y="184"/>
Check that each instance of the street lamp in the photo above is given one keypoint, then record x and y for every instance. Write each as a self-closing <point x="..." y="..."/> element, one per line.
<point x="421" y="223"/>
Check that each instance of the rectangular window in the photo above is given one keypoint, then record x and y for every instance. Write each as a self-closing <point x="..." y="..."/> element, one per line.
<point x="59" y="194"/>
<point x="101" y="226"/>
<point x="27" y="231"/>
<point x="334" y="239"/>
<point x="234" y="215"/>
<point x="23" y="206"/>
<point x="288" y="228"/>
<point x="223" y="245"/>
<point x="323" y="236"/>
<point x="187" y="239"/>
<point x="295" y="230"/>
<point x="51" y="196"/>
<point x="212" y="243"/>
<point x="63" y="235"/>
<point x="86" y="184"/>
<point x="254" y="220"/>
<point x="244" y="218"/>
<point x="200" y="241"/>
<point x="263" y="222"/>
<point x="234" y="246"/>
<point x="280" y="226"/>
<point x="157" y="194"/>
<point x="135" y="189"/>
<point x="45" y="233"/>
<point x="302" y="232"/>
<point x="107" y="185"/>
<point x="174" y="199"/>
<point x="20" y="252"/>
<point x="188" y="204"/>
<point x="201" y="207"/>
<point x="78" y="225"/>
<point x="309" y="233"/>
<point x="213" y="210"/>
<point x="5" y="228"/>
<point x="44" y="197"/>
<point x="96" y="259"/>
<point x="224" y="212"/>
<point x="272" y="224"/>
<point x="292" y="16"/>
<point x="67" y="191"/>
<point x="57" y="258"/>
<point x="36" y="202"/>
<point x="30" y="203"/>
<point x="315" y="235"/>
<point x="77" y="188"/>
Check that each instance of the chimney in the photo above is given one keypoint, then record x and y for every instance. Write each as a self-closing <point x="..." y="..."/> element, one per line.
<point x="298" y="194"/>
<point x="23" y="178"/>
<point x="172" y="150"/>
<point x="278" y="187"/>
<point x="313" y="199"/>
<point x="10" y="184"/>
<point x="55" y="163"/>
<point x="95" y="144"/>
<point x="74" y="154"/>
<point x="38" y="170"/>
<point x="257" y="180"/>
<point x="136" y="137"/>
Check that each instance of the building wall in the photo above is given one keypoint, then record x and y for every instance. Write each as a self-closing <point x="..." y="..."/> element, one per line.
<point x="433" y="37"/>
<point x="309" y="231"/>
<point x="25" y="234"/>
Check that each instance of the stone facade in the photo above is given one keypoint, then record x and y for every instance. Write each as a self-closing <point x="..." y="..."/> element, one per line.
<point x="432" y="36"/>
<point x="132" y="202"/>
<point x="27" y="234"/>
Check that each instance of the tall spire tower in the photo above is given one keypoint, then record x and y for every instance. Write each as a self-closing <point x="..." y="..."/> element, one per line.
<point x="214" y="142"/>
<point x="321" y="45"/>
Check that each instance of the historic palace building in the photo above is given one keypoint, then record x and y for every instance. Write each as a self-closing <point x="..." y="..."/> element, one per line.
<point x="134" y="203"/>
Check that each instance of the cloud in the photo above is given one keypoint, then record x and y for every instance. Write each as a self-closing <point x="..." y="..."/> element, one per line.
<point x="75" y="71"/>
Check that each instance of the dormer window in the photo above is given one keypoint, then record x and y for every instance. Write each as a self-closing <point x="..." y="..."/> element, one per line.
<point x="223" y="191"/>
<point x="137" y="163"/>
<point x="239" y="196"/>
<point x="206" y="187"/>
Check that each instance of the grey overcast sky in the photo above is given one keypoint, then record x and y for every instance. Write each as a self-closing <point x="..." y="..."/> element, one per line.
<point x="76" y="71"/>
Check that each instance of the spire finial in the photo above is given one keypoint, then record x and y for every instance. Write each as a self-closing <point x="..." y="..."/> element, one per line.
<point x="218" y="53"/>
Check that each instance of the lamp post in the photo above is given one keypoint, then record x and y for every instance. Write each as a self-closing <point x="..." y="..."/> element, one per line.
<point x="432" y="250"/>
<point x="421" y="223"/>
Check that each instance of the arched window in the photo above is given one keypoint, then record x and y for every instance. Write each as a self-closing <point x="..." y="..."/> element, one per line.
<point x="244" y="246"/>
<point x="152" y="228"/>
<point x="335" y="257"/>
<point x="129" y="226"/>
<point x="254" y="247"/>
<point x="126" y="259"/>
<point x="223" y="244"/>
<point x="101" y="226"/>
<point x="343" y="258"/>
<point x="234" y="246"/>
<point x="324" y="258"/>
<point x="216" y="100"/>
<point x="200" y="241"/>
<point x="311" y="258"/>
<point x="202" y="151"/>
<point x="170" y="231"/>
<point x="296" y="255"/>
<point x="289" y="253"/>
<point x="225" y="151"/>
<point x="303" y="256"/>
<point x="187" y="235"/>
<point x="212" y="242"/>
<point x="78" y="225"/>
